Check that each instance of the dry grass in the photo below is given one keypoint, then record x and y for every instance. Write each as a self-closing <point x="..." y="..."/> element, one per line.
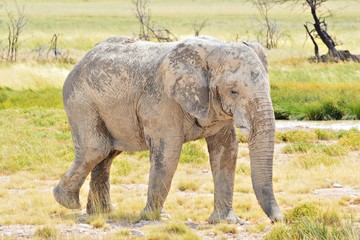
<point x="29" y="192"/>
<point x="36" y="146"/>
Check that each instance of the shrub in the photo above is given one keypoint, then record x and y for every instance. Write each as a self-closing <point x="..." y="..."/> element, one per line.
<point x="280" y="113"/>
<point x="123" y="167"/>
<point x="305" y="210"/>
<point x="193" y="152"/>
<point x="307" y="221"/>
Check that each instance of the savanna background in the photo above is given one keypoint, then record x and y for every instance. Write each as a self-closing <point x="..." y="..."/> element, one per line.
<point x="316" y="171"/>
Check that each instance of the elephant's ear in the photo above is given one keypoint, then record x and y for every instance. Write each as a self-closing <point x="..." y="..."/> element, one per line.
<point x="185" y="77"/>
<point x="260" y="51"/>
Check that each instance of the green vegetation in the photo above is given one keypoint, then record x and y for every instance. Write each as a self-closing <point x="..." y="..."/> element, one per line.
<point x="307" y="221"/>
<point x="298" y="147"/>
<point x="36" y="145"/>
<point x="193" y="152"/>
<point x="300" y="90"/>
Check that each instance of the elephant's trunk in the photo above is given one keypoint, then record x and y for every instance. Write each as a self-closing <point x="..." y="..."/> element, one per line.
<point x="261" y="147"/>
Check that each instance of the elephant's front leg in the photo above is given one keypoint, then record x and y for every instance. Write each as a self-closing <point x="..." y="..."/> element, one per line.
<point x="99" y="193"/>
<point x="164" y="158"/>
<point x="223" y="148"/>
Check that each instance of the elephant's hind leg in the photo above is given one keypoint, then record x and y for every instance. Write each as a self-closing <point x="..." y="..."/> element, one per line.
<point x="93" y="144"/>
<point x="99" y="193"/>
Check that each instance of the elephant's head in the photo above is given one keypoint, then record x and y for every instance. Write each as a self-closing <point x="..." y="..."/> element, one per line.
<point x="231" y="80"/>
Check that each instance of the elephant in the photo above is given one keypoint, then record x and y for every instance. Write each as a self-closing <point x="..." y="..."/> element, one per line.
<point x="132" y="95"/>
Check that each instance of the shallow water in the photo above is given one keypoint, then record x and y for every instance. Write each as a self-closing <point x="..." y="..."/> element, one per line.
<point x="333" y="125"/>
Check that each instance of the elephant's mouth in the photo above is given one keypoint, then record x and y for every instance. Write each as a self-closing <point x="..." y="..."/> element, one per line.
<point x="244" y="130"/>
<point x="227" y="111"/>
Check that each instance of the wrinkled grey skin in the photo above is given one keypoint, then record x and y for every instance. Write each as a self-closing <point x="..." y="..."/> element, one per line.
<point x="130" y="95"/>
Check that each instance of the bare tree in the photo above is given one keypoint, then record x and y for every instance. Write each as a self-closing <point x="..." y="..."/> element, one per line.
<point x="15" y="24"/>
<point x="272" y="30"/>
<point x="143" y="14"/>
<point x="198" y="27"/>
<point x="53" y="46"/>
<point x="146" y="29"/>
<point x="319" y="30"/>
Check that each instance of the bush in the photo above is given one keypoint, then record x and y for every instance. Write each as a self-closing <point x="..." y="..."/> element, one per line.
<point x="305" y="210"/>
<point x="280" y="113"/>
<point x="123" y="167"/>
<point x="307" y="221"/>
<point x="193" y="152"/>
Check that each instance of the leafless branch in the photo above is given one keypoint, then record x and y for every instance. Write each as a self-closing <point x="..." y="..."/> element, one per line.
<point x="15" y="25"/>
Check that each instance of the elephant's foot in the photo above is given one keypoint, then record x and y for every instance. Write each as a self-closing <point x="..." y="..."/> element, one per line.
<point x="66" y="198"/>
<point x="98" y="203"/>
<point x="226" y="215"/>
<point x="149" y="214"/>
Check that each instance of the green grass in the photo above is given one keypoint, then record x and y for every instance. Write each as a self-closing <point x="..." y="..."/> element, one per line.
<point x="36" y="146"/>
<point x="27" y="98"/>
<point x="307" y="221"/>
<point x="299" y="90"/>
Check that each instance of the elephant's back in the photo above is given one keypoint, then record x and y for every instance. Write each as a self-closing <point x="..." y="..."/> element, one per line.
<point x="117" y="67"/>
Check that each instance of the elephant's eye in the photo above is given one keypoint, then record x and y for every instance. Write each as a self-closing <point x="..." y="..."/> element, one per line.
<point x="234" y="92"/>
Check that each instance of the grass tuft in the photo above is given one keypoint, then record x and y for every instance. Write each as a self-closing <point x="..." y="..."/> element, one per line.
<point x="307" y="221"/>
<point x="188" y="185"/>
<point x="297" y="147"/>
<point x="296" y="136"/>
<point x="171" y="231"/>
<point x="351" y="139"/>
<point x="325" y="134"/>
<point x="316" y="159"/>
<point x="226" y="228"/>
<point x="46" y="232"/>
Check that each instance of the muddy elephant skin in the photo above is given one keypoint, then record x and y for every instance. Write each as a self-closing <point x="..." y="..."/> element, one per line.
<point x="132" y="95"/>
